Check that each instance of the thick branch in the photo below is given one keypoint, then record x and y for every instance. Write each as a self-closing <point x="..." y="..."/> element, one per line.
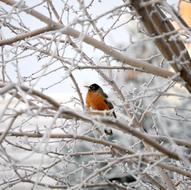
<point x="168" y="40"/>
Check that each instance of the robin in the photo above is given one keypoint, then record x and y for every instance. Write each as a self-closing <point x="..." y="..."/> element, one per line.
<point x="97" y="99"/>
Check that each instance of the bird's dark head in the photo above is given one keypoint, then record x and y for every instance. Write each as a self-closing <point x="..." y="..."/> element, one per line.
<point x="94" y="87"/>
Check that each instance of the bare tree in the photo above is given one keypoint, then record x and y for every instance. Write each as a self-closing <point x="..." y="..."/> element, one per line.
<point x="45" y="143"/>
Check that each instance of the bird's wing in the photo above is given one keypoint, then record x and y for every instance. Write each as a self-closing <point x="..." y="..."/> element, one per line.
<point x="110" y="105"/>
<point x="104" y="94"/>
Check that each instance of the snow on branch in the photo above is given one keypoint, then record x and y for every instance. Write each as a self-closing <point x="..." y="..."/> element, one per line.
<point x="49" y="138"/>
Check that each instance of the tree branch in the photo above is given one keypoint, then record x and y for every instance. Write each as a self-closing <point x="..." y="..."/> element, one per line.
<point x="26" y="35"/>
<point x="169" y="42"/>
<point x="148" y="68"/>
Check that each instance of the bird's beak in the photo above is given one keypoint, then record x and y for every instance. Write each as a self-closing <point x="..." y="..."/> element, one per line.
<point x="86" y="86"/>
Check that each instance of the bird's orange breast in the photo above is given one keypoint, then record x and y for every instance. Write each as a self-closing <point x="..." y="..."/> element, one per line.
<point x="96" y="101"/>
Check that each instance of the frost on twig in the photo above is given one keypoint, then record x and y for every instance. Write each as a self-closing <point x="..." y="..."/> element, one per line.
<point x="48" y="139"/>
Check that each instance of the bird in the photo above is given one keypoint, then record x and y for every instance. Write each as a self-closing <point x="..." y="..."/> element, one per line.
<point x="97" y="99"/>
